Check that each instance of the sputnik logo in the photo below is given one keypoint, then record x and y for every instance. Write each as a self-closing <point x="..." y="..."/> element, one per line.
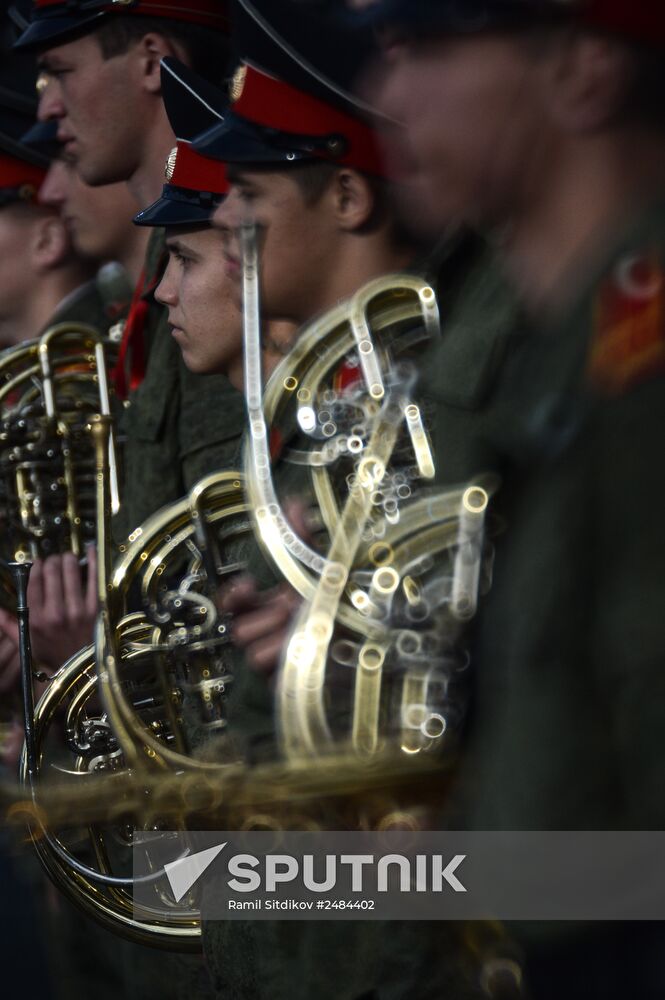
<point x="183" y="873"/>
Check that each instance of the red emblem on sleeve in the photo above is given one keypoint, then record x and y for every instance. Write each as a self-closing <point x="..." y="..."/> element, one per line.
<point x="629" y="325"/>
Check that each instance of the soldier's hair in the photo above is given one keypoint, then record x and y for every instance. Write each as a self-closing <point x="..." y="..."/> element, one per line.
<point x="314" y="179"/>
<point x="206" y="50"/>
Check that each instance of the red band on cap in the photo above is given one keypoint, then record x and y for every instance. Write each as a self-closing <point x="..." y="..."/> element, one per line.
<point x="213" y="13"/>
<point x="14" y="173"/>
<point x="274" y="104"/>
<point x="642" y="20"/>
<point x="198" y="173"/>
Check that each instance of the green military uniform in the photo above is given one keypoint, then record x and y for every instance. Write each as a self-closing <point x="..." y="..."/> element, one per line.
<point x="84" y="305"/>
<point x="460" y="373"/>
<point x="571" y="645"/>
<point x="574" y="620"/>
<point x="178" y="427"/>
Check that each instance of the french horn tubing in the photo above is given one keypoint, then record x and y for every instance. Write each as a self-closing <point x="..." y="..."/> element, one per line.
<point x="50" y="389"/>
<point x="400" y="555"/>
<point x="90" y="861"/>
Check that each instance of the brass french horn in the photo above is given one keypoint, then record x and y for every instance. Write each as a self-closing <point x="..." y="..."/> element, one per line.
<point x="146" y="661"/>
<point x="403" y="561"/>
<point x="50" y="389"/>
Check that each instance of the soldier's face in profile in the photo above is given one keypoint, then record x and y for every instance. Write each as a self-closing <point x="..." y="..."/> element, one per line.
<point x="15" y="270"/>
<point x="33" y="241"/>
<point x="98" y="106"/>
<point x="297" y="240"/>
<point x="98" y="219"/>
<point x="475" y="134"/>
<point x="202" y="302"/>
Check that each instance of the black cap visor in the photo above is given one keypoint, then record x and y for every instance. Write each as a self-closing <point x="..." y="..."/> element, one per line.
<point x="46" y="32"/>
<point x="22" y="151"/>
<point x="180" y="207"/>
<point x="236" y="140"/>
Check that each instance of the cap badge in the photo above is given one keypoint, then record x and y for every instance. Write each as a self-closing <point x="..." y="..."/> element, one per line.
<point x="170" y="164"/>
<point x="238" y="84"/>
<point x="27" y="192"/>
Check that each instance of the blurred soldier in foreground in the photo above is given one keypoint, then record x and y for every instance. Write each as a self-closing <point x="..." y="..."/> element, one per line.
<point x="542" y="123"/>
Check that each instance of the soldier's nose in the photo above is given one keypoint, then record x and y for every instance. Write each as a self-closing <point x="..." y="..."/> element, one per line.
<point x="50" y="107"/>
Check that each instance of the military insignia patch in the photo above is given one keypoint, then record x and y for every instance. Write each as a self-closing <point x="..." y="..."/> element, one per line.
<point x="629" y="324"/>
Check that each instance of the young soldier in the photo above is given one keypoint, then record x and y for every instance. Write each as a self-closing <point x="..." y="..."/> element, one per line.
<point x="98" y="220"/>
<point x="93" y="230"/>
<point x="44" y="283"/>
<point x="545" y="121"/>
<point x="41" y="275"/>
<point x="204" y="315"/>
<point x="325" y="213"/>
<point x="98" y="223"/>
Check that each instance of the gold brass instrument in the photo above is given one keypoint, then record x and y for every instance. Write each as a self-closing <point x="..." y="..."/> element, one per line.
<point x="403" y="562"/>
<point x="194" y="543"/>
<point x="149" y="659"/>
<point x="50" y="389"/>
<point x="367" y="692"/>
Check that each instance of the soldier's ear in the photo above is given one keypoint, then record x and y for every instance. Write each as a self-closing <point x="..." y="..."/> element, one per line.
<point x="587" y="81"/>
<point x="354" y="200"/>
<point x="50" y="245"/>
<point x="149" y="51"/>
